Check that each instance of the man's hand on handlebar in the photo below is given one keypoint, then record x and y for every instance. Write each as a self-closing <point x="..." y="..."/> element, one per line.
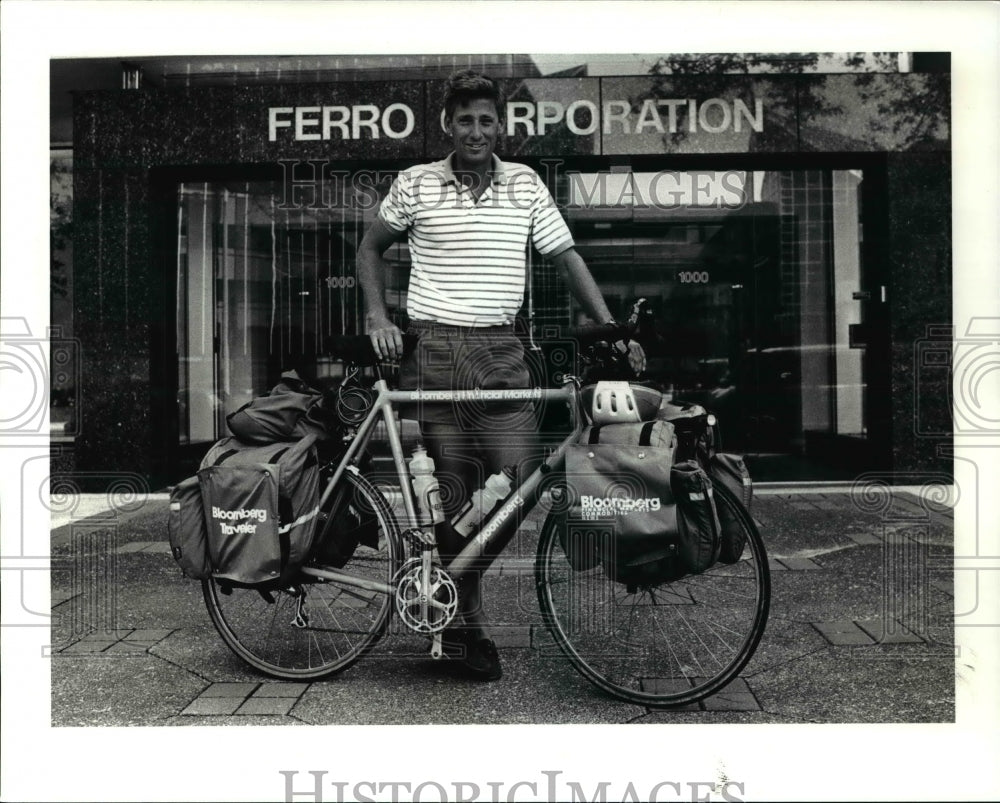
<point x="386" y="337"/>
<point x="634" y="354"/>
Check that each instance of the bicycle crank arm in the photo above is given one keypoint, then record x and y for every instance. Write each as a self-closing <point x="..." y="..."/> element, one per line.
<point x="437" y="650"/>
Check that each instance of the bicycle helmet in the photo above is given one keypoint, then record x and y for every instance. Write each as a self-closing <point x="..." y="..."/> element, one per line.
<point x="620" y="403"/>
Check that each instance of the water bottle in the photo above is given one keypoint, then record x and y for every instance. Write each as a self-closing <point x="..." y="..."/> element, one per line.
<point x="426" y="488"/>
<point x="483" y="501"/>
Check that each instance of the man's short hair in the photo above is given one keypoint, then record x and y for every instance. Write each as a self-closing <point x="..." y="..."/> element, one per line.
<point x="468" y="85"/>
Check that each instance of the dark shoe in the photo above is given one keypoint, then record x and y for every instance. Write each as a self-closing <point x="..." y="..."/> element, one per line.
<point x="477" y="656"/>
<point x="482" y="661"/>
<point x="456" y="643"/>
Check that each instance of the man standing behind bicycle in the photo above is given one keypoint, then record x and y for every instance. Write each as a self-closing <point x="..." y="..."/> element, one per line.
<point x="468" y="218"/>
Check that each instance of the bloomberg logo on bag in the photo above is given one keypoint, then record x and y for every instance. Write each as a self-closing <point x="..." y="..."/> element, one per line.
<point x="256" y="514"/>
<point x="603" y="507"/>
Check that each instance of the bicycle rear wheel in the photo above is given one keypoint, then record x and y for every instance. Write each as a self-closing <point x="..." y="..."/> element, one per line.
<point x="660" y="645"/>
<point x="335" y="623"/>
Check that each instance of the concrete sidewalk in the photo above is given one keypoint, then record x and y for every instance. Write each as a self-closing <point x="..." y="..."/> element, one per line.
<point x="860" y="630"/>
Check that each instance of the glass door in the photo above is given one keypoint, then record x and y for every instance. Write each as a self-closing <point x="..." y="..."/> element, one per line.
<point x="260" y="289"/>
<point x="755" y="281"/>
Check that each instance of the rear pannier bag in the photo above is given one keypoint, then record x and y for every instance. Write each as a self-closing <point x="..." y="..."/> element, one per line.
<point x="289" y="412"/>
<point x="731" y="471"/>
<point x="187" y="529"/>
<point x="260" y="504"/>
<point x="622" y="509"/>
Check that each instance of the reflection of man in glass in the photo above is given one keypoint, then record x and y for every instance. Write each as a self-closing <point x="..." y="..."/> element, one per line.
<point x="468" y="219"/>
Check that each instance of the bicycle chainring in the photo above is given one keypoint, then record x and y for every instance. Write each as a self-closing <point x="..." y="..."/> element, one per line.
<point x="425" y="608"/>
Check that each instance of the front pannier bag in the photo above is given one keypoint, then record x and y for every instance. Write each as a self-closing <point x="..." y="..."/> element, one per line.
<point x="260" y="505"/>
<point x="697" y="520"/>
<point x="731" y="471"/>
<point x="622" y="510"/>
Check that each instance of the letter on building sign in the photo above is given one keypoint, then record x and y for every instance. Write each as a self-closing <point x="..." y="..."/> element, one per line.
<point x="340" y="122"/>
<point x="649" y="116"/>
<point x="571" y="122"/>
<point x="369" y="121"/>
<point x="550" y="112"/>
<point x="274" y="123"/>
<point x="520" y="111"/>
<point x="723" y="122"/>
<point x="741" y="112"/>
<point x="672" y="104"/>
<point x="623" y="107"/>
<point x="387" y="118"/>
<point x="301" y="122"/>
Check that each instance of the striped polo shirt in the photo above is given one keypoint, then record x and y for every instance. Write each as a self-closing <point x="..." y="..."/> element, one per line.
<point x="468" y="256"/>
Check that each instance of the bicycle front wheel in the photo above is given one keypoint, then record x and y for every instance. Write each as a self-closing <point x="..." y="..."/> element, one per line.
<point x="318" y="627"/>
<point x="659" y="645"/>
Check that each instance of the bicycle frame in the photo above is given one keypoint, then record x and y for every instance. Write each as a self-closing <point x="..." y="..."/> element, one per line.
<point x="522" y="498"/>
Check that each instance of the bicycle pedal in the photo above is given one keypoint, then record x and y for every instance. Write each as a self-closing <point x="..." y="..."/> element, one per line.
<point x="420" y="539"/>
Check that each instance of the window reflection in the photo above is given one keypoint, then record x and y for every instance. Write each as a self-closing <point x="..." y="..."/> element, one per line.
<point x="753" y="280"/>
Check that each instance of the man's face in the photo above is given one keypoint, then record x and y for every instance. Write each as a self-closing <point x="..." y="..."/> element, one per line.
<point x="474" y="128"/>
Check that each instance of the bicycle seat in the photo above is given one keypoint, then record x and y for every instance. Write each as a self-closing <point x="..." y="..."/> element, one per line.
<point x="358" y="349"/>
<point x="613" y="402"/>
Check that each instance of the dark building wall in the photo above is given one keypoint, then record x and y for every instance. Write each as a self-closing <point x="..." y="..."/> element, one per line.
<point x="112" y="297"/>
<point x="919" y="254"/>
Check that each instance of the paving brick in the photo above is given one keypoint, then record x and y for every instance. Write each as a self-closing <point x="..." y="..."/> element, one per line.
<point x="843" y="633"/>
<point x="800" y="564"/>
<point x="516" y="636"/>
<point x="507" y="567"/>
<point x="107" y="636"/>
<point x="133" y="546"/>
<point x="276" y="706"/>
<point x="240" y="690"/>
<point x="281" y="690"/>
<point x="147" y="636"/>
<point x="775" y="566"/>
<point x="541" y="639"/>
<point x="126" y="648"/>
<point x="59" y="597"/>
<point x="84" y="647"/>
<point x="944" y="586"/>
<point x="737" y="696"/>
<point x="864" y="538"/>
<point x="212" y="705"/>
<point x="665" y="686"/>
<point x="899" y="635"/>
<point x="837" y="626"/>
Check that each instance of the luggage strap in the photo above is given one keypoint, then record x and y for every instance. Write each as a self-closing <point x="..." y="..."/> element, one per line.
<point x="645" y="434"/>
<point x="230" y="452"/>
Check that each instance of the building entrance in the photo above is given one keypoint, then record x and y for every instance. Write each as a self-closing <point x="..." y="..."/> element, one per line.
<point x="759" y="294"/>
